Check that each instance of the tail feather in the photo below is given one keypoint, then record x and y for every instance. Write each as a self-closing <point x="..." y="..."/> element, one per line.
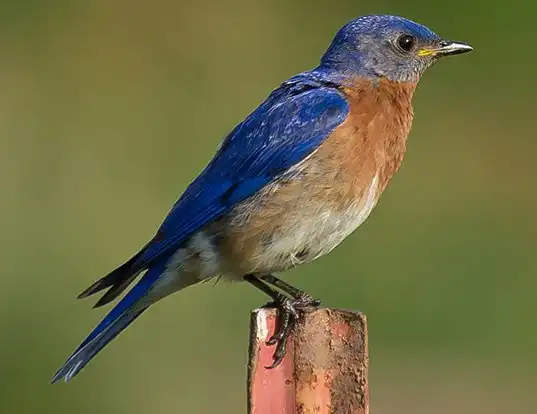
<point x="115" y="291"/>
<point x="121" y="316"/>
<point x="117" y="281"/>
<point x="84" y="355"/>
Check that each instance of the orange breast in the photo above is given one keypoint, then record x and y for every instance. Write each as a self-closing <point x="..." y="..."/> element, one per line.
<point x="373" y="138"/>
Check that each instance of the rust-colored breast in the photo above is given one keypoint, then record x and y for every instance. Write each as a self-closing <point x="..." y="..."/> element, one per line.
<point x="373" y="138"/>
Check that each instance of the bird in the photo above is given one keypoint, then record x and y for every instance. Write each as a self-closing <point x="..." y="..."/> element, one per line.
<point x="288" y="184"/>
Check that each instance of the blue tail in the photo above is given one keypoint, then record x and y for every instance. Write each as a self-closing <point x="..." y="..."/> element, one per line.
<point x="121" y="316"/>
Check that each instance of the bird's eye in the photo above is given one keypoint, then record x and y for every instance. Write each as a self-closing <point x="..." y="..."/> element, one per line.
<point x="406" y="42"/>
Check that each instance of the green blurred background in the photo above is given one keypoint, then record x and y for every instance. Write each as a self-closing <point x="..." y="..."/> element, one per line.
<point x="104" y="119"/>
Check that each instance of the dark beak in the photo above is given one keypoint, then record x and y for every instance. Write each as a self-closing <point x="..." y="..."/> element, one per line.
<point x="448" y="48"/>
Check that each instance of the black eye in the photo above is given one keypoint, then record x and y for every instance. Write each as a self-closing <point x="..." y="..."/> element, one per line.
<point x="406" y="42"/>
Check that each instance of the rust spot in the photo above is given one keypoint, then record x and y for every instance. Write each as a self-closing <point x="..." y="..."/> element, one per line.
<point x="349" y="391"/>
<point x="331" y="363"/>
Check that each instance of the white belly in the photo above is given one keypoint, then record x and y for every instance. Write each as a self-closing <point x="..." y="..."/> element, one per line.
<point x="315" y="235"/>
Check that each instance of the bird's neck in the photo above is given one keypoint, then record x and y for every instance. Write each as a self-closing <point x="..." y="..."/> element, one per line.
<point x="350" y="78"/>
<point x="389" y="95"/>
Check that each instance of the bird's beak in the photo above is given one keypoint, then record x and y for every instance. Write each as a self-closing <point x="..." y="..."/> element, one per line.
<point x="446" y="48"/>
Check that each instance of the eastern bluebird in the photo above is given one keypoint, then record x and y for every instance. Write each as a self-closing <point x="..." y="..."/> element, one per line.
<point x="288" y="184"/>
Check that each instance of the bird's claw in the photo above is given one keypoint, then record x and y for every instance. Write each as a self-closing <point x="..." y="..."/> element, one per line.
<point x="305" y="301"/>
<point x="288" y="314"/>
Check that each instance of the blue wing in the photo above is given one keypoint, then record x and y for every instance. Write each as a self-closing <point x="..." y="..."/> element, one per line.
<point x="294" y="120"/>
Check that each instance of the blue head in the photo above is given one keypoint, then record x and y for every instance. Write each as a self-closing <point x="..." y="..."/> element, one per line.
<point x="387" y="47"/>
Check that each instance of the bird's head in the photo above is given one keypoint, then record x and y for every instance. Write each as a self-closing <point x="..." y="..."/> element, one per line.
<point x="391" y="47"/>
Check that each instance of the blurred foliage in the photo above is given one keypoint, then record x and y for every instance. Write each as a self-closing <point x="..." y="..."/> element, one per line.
<point x="103" y="122"/>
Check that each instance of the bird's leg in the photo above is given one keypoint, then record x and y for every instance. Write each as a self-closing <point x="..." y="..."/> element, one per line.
<point x="287" y="310"/>
<point x="302" y="299"/>
<point x="288" y="316"/>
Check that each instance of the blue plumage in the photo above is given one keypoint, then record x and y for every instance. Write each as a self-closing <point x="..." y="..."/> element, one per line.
<point x="367" y="47"/>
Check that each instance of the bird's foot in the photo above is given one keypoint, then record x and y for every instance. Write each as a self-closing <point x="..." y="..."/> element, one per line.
<point x="288" y="303"/>
<point x="288" y="314"/>
<point x="305" y="301"/>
